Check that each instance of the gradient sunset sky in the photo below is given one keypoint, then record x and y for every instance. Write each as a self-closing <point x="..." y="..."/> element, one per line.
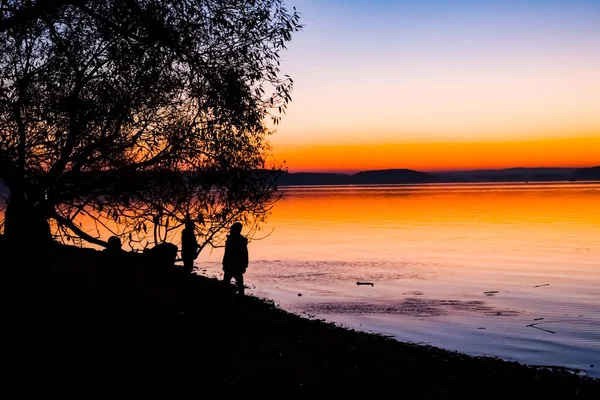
<point x="441" y="85"/>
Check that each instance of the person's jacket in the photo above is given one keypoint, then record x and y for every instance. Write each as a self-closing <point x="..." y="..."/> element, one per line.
<point x="189" y="245"/>
<point x="235" y="258"/>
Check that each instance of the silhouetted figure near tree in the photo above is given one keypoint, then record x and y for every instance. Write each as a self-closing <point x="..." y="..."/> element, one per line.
<point x="235" y="259"/>
<point x="189" y="246"/>
<point x="162" y="256"/>
<point x="113" y="246"/>
<point x="115" y="273"/>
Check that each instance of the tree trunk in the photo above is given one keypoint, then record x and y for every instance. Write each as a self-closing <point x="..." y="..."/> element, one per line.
<point x="25" y="223"/>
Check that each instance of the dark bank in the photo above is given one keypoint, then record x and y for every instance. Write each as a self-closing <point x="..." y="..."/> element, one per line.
<point x="153" y="331"/>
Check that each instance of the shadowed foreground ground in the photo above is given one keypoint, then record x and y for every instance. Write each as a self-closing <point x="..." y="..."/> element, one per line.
<point x="171" y="336"/>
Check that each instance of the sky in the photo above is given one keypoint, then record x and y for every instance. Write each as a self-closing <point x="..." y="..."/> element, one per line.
<point x="442" y="85"/>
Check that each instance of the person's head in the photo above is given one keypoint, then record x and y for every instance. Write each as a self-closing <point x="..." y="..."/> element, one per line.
<point x="236" y="228"/>
<point x="189" y="224"/>
<point x="113" y="243"/>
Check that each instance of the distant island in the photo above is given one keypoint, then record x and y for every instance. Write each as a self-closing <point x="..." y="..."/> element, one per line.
<point x="407" y="176"/>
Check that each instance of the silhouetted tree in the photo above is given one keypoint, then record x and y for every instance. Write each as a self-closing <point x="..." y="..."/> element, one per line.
<point x="103" y="104"/>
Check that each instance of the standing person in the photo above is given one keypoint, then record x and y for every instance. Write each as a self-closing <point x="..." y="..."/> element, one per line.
<point x="189" y="246"/>
<point x="235" y="259"/>
<point x="114" y="274"/>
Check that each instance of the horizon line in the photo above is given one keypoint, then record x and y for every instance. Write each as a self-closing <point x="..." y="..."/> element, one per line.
<point x="355" y="171"/>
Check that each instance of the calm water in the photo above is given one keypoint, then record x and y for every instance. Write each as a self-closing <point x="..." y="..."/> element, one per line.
<point x="466" y="267"/>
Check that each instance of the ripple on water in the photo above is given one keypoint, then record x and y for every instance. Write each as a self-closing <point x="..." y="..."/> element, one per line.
<point x="416" y="307"/>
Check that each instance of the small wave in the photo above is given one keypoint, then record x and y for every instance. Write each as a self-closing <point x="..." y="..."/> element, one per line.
<point x="411" y="307"/>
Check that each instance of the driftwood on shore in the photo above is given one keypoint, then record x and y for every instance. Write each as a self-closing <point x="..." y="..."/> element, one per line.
<point x="365" y="283"/>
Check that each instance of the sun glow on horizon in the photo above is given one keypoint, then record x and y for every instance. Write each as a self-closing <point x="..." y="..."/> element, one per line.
<point x="438" y="156"/>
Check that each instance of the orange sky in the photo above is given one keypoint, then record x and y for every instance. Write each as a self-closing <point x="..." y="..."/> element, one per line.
<point x="443" y="155"/>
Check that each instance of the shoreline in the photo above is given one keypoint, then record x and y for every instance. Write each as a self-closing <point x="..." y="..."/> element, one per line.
<point x="172" y="336"/>
<point x="455" y="315"/>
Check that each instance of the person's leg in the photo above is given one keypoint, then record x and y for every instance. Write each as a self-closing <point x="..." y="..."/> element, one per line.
<point x="239" y="280"/>
<point x="227" y="277"/>
<point x="188" y="265"/>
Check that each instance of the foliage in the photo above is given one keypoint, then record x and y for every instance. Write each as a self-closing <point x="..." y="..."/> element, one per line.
<point x="103" y="104"/>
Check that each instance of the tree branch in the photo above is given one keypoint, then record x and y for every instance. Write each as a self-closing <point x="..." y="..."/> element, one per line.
<point x="28" y="15"/>
<point x="80" y="233"/>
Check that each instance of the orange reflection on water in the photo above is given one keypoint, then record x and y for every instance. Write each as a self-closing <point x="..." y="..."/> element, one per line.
<point x="483" y="226"/>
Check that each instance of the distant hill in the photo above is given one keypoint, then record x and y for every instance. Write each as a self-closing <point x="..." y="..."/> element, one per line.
<point x="387" y="176"/>
<point x="587" y="174"/>
<point x="390" y="176"/>
<point x="313" y="178"/>
<point x="508" y="175"/>
<point x="401" y="176"/>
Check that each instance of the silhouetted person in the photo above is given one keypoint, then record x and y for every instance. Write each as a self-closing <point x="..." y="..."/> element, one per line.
<point x="113" y="245"/>
<point x="114" y="272"/>
<point x="189" y="246"/>
<point x="112" y="277"/>
<point x="162" y="256"/>
<point x="235" y="259"/>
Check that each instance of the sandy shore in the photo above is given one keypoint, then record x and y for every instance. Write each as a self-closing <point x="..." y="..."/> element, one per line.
<point x="150" y="332"/>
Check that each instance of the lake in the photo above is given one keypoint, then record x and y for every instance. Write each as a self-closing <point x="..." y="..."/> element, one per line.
<point x="507" y="270"/>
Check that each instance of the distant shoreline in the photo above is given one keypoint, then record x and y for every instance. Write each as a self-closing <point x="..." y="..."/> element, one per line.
<point x="403" y="176"/>
<point x="408" y="176"/>
<point x="498" y="183"/>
